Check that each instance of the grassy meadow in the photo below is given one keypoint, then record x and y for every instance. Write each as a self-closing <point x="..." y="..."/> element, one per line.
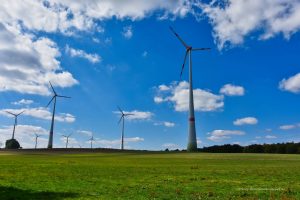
<point x="148" y="175"/>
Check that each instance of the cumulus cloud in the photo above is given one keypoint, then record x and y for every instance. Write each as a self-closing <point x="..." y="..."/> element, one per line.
<point x="220" y="135"/>
<point x="116" y="143"/>
<point x="270" y="137"/>
<point x="40" y="113"/>
<point x="23" y="102"/>
<point x="27" y="63"/>
<point x="137" y="115"/>
<point x="233" y="20"/>
<point x="93" y="58"/>
<point x="85" y="132"/>
<point x="245" y="121"/>
<point x="127" y="32"/>
<point x="166" y="124"/>
<point x="232" y="90"/>
<point x="292" y="84"/>
<point x="25" y="135"/>
<point x="178" y="95"/>
<point x="287" y="127"/>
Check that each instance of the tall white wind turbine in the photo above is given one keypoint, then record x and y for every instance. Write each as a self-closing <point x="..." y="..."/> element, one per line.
<point x="16" y="121"/>
<point x="192" y="139"/>
<point x="55" y="95"/>
<point x="122" y="118"/>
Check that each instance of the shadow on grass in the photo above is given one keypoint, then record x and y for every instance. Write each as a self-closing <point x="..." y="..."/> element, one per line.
<point x="11" y="193"/>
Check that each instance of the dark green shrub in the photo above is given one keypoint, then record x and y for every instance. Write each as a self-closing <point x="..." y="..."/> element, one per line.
<point x="12" y="144"/>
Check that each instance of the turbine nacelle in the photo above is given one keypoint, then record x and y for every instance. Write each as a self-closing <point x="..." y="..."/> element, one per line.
<point x="188" y="48"/>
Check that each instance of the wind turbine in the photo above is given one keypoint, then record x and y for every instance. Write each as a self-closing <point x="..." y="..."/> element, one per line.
<point x="192" y="141"/>
<point x="16" y="121"/>
<point x="91" y="139"/>
<point x="36" y="139"/>
<point x="123" y="115"/>
<point x="67" y="141"/>
<point x="55" y="95"/>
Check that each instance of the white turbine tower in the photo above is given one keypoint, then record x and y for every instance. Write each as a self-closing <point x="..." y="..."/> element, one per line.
<point x="192" y="140"/>
<point x="16" y="121"/>
<point x="36" y="139"/>
<point x="123" y="115"/>
<point x="91" y="139"/>
<point x="67" y="139"/>
<point x="55" y="95"/>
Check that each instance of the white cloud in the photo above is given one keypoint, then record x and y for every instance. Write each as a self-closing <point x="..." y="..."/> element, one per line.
<point x="164" y="88"/>
<point x="158" y="99"/>
<point x="40" y="113"/>
<point x="245" y="121"/>
<point x="116" y="143"/>
<point x="137" y="115"/>
<point x="166" y="124"/>
<point x="292" y="84"/>
<point x="232" y="90"/>
<point x="25" y="135"/>
<point x="233" y="20"/>
<point x="84" y="132"/>
<point x="287" y="127"/>
<point x="93" y="58"/>
<point x="179" y="93"/>
<point x="170" y="146"/>
<point x="270" y="137"/>
<point x="127" y="32"/>
<point x="219" y="135"/>
<point x="27" y="63"/>
<point x="23" y="102"/>
<point x="169" y="124"/>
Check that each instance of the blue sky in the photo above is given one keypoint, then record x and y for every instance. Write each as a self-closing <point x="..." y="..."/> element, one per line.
<point x="107" y="53"/>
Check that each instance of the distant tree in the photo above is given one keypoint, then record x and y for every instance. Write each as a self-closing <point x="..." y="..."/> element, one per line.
<point x="270" y="148"/>
<point x="254" y="148"/>
<point x="291" y="148"/>
<point x="166" y="149"/>
<point x="12" y="144"/>
<point x="281" y="148"/>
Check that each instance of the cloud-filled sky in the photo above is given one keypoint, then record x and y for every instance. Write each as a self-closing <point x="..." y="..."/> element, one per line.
<point x="109" y="53"/>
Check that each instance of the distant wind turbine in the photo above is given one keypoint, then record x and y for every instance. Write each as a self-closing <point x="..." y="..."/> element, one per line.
<point x="36" y="139"/>
<point x="123" y="115"/>
<point x="67" y="139"/>
<point x="16" y="121"/>
<point x="55" y="95"/>
<point x="192" y="141"/>
<point x="91" y="139"/>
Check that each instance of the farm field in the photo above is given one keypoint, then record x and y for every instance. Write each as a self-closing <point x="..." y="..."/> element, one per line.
<point x="147" y="175"/>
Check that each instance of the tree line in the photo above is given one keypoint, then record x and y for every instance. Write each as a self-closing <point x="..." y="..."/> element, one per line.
<point x="282" y="148"/>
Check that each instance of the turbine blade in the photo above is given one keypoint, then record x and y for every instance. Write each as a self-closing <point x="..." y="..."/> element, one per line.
<point x="21" y="113"/>
<point x="10" y="113"/>
<point x="186" y="53"/>
<point x="63" y="96"/>
<point x="52" y="88"/>
<point x="50" y="101"/>
<point x="120" y="110"/>
<point x="179" y="38"/>
<point x="120" y="119"/>
<point x="201" y="49"/>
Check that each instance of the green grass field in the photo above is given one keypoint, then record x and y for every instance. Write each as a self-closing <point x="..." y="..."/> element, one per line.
<point x="138" y="175"/>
